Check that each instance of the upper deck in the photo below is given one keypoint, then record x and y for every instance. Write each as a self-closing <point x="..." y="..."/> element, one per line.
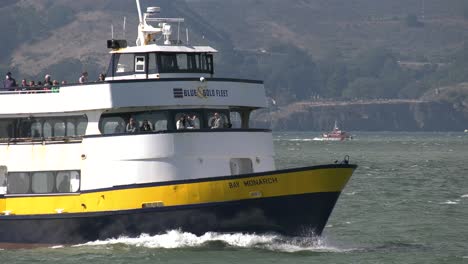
<point x="164" y="93"/>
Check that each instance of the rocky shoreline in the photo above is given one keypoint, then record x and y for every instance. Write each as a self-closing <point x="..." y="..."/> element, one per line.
<point x="385" y="115"/>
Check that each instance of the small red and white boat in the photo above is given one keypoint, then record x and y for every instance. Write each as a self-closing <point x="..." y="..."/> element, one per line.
<point x="335" y="135"/>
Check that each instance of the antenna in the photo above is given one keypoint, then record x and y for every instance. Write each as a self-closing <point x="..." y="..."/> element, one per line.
<point x="186" y="33"/>
<point x="112" y="31"/>
<point x="140" y="17"/>
<point x="178" y="33"/>
<point x="124" y="26"/>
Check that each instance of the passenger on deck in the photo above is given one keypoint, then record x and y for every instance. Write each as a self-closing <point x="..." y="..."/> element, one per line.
<point x="24" y="84"/>
<point x="131" y="126"/>
<point x="9" y="82"/>
<point x="55" y="86"/>
<point x="83" y="78"/>
<point x="181" y="122"/>
<point x="218" y="121"/>
<point x="102" y="77"/>
<point x="146" y="126"/>
<point x="191" y="121"/>
<point x="47" y="81"/>
<point x="64" y="82"/>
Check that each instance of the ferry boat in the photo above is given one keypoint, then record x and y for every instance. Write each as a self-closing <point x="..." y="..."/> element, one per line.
<point x="161" y="144"/>
<point x="335" y="135"/>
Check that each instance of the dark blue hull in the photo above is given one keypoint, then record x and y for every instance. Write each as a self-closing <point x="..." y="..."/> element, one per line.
<point x="292" y="215"/>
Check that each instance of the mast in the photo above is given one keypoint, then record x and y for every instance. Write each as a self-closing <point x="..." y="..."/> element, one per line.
<point x="147" y="32"/>
<point x="140" y="17"/>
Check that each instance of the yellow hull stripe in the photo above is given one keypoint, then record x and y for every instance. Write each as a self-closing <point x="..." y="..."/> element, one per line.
<point x="272" y="185"/>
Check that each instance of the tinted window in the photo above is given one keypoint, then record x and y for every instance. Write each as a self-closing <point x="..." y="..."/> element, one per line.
<point x="112" y="125"/>
<point x="185" y="62"/>
<point x="125" y="64"/>
<point x="236" y="119"/>
<point x="59" y="128"/>
<point x="152" y="63"/>
<point x="145" y="122"/>
<point x="47" y="129"/>
<point x="187" y="120"/>
<point x="7" y="128"/>
<point x="81" y="125"/>
<point x="68" y="181"/>
<point x="217" y="119"/>
<point x="18" y="182"/>
<point x="43" y="182"/>
<point x="43" y="127"/>
<point x="36" y="129"/>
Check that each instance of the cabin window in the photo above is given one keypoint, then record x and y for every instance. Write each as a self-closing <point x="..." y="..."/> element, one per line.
<point x="36" y="129"/>
<point x="152" y="67"/>
<point x="187" y="120"/>
<point x="168" y="63"/>
<point x="124" y="64"/>
<point x="112" y="125"/>
<point x="43" y="182"/>
<point x="241" y="166"/>
<point x="47" y="129"/>
<point x="18" y="182"/>
<point x="236" y="119"/>
<point x="157" y="121"/>
<point x="185" y="62"/>
<point x="150" y="121"/>
<point x="81" y="125"/>
<point x="7" y="128"/>
<point x="223" y="122"/>
<point x="59" y="128"/>
<point x="43" y="127"/>
<point x="3" y="182"/>
<point x="140" y="64"/>
<point x="68" y="181"/>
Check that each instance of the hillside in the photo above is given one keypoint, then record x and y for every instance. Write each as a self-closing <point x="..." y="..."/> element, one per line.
<point x="302" y="49"/>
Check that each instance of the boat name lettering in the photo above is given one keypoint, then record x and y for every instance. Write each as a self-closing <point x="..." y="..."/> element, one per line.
<point x="254" y="182"/>
<point x="200" y="92"/>
<point x="233" y="185"/>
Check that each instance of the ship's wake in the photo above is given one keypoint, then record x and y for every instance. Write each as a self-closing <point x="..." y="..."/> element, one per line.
<point x="177" y="239"/>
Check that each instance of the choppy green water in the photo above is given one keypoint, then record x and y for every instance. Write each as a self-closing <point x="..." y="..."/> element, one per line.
<point x="407" y="203"/>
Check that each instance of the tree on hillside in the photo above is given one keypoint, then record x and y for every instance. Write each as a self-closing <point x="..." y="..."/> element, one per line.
<point x="371" y="62"/>
<point x="413" y="21"/>
<point x="363" y="88"/>
<point x="292" y="76"/>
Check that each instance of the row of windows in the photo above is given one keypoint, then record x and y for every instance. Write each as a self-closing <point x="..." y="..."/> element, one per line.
<point x="129" y="122"/>
<point x="129" y="63"/>
<point x="41" y="182"/>
<point x="43" y="127"/>
<point x="154" y="121"/>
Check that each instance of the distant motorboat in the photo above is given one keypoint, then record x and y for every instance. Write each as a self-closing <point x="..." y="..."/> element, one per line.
<point x="335" y="135"/>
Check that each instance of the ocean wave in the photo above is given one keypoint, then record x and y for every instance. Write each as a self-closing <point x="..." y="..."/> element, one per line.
<point x="176" y="239"/>
<point x="464" y="196"/>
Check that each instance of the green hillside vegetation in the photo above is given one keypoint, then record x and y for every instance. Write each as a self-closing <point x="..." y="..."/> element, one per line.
<point x="304" y="50"/>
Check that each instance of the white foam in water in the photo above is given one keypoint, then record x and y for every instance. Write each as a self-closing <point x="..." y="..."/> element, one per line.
<point x="449" y="202"/>
<point x="464" y="196"/>
<point x="56" y="247"/>
<point x="177" y="239"/>
<point x="300" y="139"/>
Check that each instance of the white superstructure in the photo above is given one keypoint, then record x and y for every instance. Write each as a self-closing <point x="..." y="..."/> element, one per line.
<point x="79" y="134"/>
